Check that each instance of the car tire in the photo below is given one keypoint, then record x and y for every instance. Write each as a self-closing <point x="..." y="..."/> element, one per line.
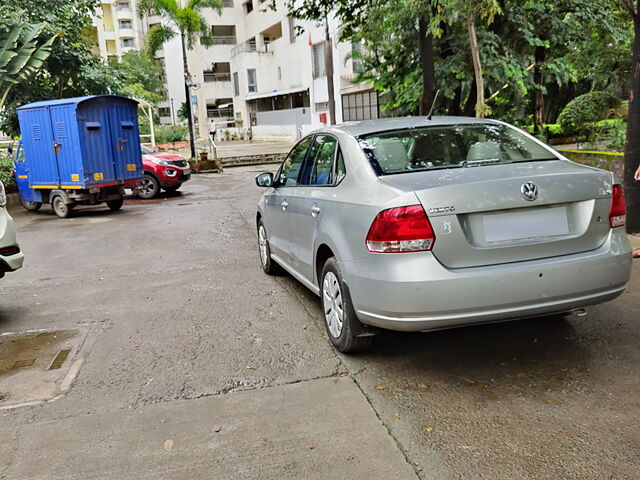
<point x="173" y="188"/>
<point x="340" y="318"/>
<point x="268" y="265"/>
<point x="149" y="187"/>
<point x="31" y="206"/>
<point x="61" y="209"/>
<point x="115" y="205"/>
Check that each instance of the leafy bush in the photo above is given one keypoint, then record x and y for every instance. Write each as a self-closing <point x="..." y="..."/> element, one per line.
<point x="6" y="170"/>
<point x="610" y="133"/>
<point x="582" y="112"/>
<point x="170" y="133"/>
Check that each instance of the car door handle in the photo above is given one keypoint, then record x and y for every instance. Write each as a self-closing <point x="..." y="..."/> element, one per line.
<point x="284" y="205"/>
<point x="315" y="210"/>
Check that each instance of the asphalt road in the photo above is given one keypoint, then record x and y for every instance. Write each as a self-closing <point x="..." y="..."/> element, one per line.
<point x="189" y="362"/>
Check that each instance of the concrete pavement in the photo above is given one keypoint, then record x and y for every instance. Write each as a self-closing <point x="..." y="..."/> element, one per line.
<point x="191" y="336"/>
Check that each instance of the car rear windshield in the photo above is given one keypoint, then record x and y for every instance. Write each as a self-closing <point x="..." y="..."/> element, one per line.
<point x="450" y="146"/>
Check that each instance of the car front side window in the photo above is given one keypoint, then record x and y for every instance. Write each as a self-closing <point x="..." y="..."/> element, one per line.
<point x="290" y="169"/>
<point x="321" y="160"/>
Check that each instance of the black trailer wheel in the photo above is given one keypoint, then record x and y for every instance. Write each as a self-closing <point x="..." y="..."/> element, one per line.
<point x="31" y="206"/>
<point x="149" y="187"/>
<point x="62" y="209"/>
<point x="115" y="205"/>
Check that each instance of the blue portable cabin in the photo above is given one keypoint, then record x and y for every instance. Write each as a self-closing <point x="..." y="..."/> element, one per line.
<point x="74" y="146"/>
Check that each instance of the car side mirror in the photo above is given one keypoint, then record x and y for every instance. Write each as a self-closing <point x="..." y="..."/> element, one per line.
<point x="265" y="180"/>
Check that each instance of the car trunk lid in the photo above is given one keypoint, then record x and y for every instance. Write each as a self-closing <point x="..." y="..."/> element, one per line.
<point x="480" y="215"/>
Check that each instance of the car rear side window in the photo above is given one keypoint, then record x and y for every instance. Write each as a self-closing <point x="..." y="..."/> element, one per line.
<point x="290" y="169"/>
<point x="319" y="169"/>
<point x="449" y="146"/>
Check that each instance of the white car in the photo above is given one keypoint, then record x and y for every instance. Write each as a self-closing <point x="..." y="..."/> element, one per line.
<point x="11" y="257"/>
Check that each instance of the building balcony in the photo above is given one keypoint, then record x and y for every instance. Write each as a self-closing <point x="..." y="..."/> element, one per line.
<point x="216" y="77"/>
<point x="250" y="48"/>
<point x="125" y="14"/>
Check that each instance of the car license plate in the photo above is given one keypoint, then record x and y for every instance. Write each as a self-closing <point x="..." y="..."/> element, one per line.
<point x="544" y="222"/>
<point x="186" y="171"/>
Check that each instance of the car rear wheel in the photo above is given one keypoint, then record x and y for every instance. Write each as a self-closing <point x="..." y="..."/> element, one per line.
<point x="31" y="206"/>
<point x="62" y="210"/>
<point x="115" y="205"/>
<point x="268" y="265"/>
<point x="340" y="317"/>
<point x="149" y="187"/>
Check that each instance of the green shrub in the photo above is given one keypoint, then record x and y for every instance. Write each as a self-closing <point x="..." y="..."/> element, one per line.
<point x="6" y="170"/>
<point x="582" y="112"/>
<point x="610" y="133"/>
<point x="170" y="133"/>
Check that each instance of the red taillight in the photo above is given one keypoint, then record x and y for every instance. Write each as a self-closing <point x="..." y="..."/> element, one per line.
<point x="618" y="212"/>
<point x="404" y="229"/>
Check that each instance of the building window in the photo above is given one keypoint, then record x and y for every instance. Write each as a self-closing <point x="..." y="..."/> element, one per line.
<point x="236" y="85"/>
<point x="251" y="78"/>
<point x="125" y="23"/>
<point x="248" y="7"/>
<point x="318" y="60"/>
<point x="360" y="106"/>
<point x="128" y="43"/>
<point x="219" y="72"/>
<point x="227" y="3"/>
<point x="292" y="30"/>
<point x="223" y="34"/>
<point x="222" y="108"/>
<point x="164" y="112"/>
<point x="322" y="106"/>
<point x="123" y="6"/>
<point x="357" y="52"/>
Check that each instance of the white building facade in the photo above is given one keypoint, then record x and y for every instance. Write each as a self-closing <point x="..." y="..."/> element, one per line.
<point x="264" y="77"/>
<point x="119" y="29"/>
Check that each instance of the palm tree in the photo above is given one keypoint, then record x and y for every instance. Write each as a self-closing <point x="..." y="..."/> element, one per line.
<point x="189" y="24"/>
<point x="22" y="54"/>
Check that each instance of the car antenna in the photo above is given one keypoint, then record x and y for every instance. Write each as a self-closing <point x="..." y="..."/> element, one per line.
<point x="433" y="104"/>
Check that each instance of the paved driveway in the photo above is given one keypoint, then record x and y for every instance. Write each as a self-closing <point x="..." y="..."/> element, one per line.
<point x="188" y="362"/>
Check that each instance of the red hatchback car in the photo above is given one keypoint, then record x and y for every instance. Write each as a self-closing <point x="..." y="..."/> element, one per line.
<point x="162" y="170"/>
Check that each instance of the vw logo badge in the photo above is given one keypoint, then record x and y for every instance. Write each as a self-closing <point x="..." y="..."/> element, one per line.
<point x="529" y="191"/>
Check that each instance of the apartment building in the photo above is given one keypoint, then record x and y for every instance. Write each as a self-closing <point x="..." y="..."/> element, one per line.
<point x="118" y="28"/>
<point x="264" y="75"/>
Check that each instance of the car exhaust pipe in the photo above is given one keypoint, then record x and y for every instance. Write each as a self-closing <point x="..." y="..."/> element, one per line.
<point x="580" y="312"/>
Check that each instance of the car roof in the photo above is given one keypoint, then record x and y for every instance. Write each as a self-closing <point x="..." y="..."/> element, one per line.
<point x="399" y="123"/>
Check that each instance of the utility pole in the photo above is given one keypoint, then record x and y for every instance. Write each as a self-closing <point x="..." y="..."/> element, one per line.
<point x="328" y="66"/>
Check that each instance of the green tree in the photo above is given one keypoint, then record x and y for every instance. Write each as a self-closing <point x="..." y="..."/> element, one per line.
<point x="22" y="53"/>
<point x="141" y="76"/>
<point x="189" y="25"/>
<point x="72" y="69"/>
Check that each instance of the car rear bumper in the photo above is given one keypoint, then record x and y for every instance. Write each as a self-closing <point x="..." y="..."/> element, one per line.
<point x="414" y="292"/>
<point x="8" y="263"/>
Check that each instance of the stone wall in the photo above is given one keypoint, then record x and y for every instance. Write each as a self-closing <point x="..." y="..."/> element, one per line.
<point x="613" y="162"/>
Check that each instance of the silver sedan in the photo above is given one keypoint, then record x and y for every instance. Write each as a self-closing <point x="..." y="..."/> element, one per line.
<point x="420" y="224"/>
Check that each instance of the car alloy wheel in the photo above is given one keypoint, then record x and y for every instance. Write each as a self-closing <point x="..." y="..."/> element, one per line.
<point x="148" y="188"/>
<point x="333" y="305"/>
<point x="264" y="246"/>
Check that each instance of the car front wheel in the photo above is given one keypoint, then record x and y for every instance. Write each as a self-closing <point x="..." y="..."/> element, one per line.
<point x="268" y="265"/>
<point x="149" y="187"/>
<point x="340" y="317"/>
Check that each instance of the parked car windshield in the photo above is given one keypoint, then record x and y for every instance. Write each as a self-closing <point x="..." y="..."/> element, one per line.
<point x="449" y="146"/>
